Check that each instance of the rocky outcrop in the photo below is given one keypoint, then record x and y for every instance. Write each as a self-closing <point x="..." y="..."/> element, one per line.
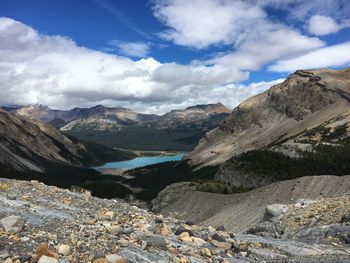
<point x="63" y="226"/>
<point x="304" y="101"/>
<point x="228" y="210"/>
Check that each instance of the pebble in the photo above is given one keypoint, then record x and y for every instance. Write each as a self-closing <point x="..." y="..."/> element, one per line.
<point x="63" y="250"/>
<point x="46" y="259"/>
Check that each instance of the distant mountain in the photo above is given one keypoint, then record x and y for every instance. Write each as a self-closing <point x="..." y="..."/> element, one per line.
<point x="299" y="127"/>
<point x="104" y="118"/>
<point x="201" y="117"/>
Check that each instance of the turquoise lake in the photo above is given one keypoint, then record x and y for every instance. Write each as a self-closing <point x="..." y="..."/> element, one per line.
<point x="141" y="161"/>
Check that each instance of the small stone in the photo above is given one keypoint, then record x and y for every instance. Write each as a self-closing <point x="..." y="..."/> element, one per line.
<point x="123" y="242"/>
<point x="73" y="239"/>
<point x="185" y="237"/>
<point x="110" y="215"/>
<point x="220" y="228"/>
<point x="99" y="260"/>
<point x="345" y="219"/>
<point x="63" y="250"/>
<point x="113" y="258"/>
<point x="12" y="224"/>
<point x="8" y="260"/>
<point x="115" y="230"/>
<point x="181" y="230"/>
<point x="156" y="241"/>
<point x="243" y="253"/>
<point x="197" y="241"/>
<point x="223" y="245"/>
<point x="46" y="259"/>
<point x="207" y="252"/>
<point x="218" y="238"/>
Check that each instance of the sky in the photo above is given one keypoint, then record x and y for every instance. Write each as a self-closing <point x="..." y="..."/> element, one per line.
<point x="159" y="55"/>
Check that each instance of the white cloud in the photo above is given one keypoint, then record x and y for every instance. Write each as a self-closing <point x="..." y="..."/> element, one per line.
<point x="322" y="25"/>
<point x="337" y="55"/>
<point x="53" y="70"/>
<point x="131" y="49"/>
<point x="201" y="23"/>
<point x="254" y="39"/>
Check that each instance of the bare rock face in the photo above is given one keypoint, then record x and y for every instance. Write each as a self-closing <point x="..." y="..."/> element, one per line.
<point x="26" y="144"/>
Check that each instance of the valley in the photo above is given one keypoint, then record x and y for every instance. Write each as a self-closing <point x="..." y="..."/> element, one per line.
<point x="204" y="165"/>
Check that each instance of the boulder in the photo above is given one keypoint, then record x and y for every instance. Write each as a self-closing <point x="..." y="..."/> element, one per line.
<point x="12" y="224"/>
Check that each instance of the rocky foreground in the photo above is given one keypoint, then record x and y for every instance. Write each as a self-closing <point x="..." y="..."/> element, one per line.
<point x="47" y="224"/>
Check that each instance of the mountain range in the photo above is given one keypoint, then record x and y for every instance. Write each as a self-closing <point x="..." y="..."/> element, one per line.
<point x="203" y="117"/>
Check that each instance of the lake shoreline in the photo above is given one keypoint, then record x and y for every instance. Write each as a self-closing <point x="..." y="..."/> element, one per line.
<point x="119" y="167"/>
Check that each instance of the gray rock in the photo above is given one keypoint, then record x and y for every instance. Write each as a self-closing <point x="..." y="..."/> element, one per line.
<point x="12" y="224"/>
<point x="275" y="210"/>
<point x="156" y="241"/>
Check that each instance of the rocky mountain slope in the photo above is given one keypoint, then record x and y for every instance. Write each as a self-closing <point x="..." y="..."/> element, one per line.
<point x="213" y="209"/>
<point x="34" y="149"/>
<point x="308" y="113"/>
<point x="23" y="143"/>
<point x="46" y="224"/>
<point x="201" y="117"/>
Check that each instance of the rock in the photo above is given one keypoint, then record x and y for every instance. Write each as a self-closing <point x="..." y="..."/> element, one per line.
<point x="275" y="210"/>
<point x="123" y="242"/>
<point x="223" y="245"/>
<point x="46" y="259"/>
<point x="182" y="229"/>
<point x="8" y="260"/>
<point x="197" y="241"/>
<point x="99" y="260"/>
<point x="345" y="218"/>
<point x="110" y="215"/>
<point x="164" y="231"/>
<point x="185" y="237"/>
<point x="63" y="250"/>
<point x="207" y="252"/>
<point x="218" y="238"/>
<point x="115" y="230"/>
<point x="220" y="228"/>
<point x="156" y="241"/>
<point x="12" y="224"/>
<point x="113" y="258"/>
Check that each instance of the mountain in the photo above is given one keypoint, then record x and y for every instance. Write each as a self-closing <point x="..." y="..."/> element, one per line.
<point x="123" y="128"/>
<point x="29" y="147"/>
<point x="303" y="120"/>
<point x="104" y="118"/>
<point x="200" y="117"/>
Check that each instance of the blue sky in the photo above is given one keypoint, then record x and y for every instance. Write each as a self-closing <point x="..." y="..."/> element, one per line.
<point x="153" y="56"/>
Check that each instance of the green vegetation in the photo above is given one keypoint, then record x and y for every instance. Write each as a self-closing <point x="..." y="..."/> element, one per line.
<point x="210" y="186"/>
<point x="143" y="138"/>
<point x="105" y="154"/>
<point x="154" y="178"/>
<point x="326" y="159"/>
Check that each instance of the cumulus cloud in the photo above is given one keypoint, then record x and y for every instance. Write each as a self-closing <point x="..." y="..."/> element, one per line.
<point x="337" y="55"/>
<point x="53" y="70"/>
<point x="201" y="23"/>
<point x="254" y="39"/>
<point x="322" y="25"/>
<point x="130" y="49"/>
